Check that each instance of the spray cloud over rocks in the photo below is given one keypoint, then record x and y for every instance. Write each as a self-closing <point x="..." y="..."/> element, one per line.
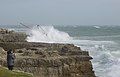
<point x="47" y="34"/>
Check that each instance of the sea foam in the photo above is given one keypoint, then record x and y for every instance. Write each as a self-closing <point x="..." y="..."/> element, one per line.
<point x="106" y="60"/>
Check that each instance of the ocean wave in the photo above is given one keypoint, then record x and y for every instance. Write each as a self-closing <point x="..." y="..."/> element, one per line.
<point x="47" y="34"/>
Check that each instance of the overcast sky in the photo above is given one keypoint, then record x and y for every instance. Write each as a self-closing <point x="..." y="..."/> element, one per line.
<point x="65" y="12"/>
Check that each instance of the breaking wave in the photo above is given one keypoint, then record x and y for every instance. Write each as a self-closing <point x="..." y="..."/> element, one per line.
<point x="47" y="34"/>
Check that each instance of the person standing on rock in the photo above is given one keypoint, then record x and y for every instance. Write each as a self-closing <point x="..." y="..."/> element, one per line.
<point x="10" y="59"/>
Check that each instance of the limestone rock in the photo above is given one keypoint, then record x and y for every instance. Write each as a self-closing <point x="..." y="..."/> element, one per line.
<point x="45" y="59"/>
<point x="55" y="60"/>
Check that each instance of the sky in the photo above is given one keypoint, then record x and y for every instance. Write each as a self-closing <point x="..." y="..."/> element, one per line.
<point x="60" y="12"/>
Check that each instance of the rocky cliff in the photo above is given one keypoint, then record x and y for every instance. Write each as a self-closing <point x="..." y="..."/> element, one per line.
<point x="49" y="59"/>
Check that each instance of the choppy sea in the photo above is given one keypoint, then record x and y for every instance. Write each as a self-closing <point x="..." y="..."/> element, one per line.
<point x="102" y="42"/>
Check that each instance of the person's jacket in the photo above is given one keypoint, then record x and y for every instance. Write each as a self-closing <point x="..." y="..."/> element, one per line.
<point x="10" y="59"/>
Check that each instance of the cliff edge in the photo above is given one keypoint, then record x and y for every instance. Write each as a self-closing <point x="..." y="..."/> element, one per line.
<point x="48" y="59"/>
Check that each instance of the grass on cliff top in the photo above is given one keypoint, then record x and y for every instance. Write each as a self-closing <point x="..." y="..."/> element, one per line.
<point x="7" y="73"/>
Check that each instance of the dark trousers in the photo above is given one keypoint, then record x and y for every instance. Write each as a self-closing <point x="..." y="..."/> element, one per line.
<point x="10" y="67"/>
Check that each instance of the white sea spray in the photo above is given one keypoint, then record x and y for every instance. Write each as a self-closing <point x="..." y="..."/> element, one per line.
<point x="47" y="34"/>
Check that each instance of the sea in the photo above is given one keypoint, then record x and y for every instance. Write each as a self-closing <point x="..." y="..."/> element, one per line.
<point x="102" y="42"/>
